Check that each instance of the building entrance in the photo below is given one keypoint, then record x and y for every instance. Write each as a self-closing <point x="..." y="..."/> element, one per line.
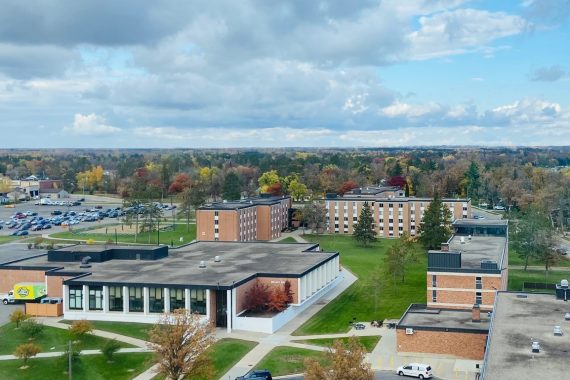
<point x="221" y="309"/>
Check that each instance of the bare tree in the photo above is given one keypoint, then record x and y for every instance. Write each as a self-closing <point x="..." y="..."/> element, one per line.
<point x="348" y="363"/>
<point x="180" y="340"/>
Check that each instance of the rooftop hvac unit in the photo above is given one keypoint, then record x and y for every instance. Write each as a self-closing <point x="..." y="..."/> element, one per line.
<point x="217" y="259"/>
<point x="409" y="331"/>
<point x="558" y="331"/>
<point x="567" y="316"/>
<point x="462" y="239"/>
<point x="202" y="264"/>
<point x="535" y="347"/>
<point x="564" y="284"/>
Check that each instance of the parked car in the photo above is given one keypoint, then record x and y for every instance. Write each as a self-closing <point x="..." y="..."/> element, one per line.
<point x="19" y="233"/>
<point x="498" y="207"/>
<point x="421" y="371"/>
<point x="56" y="212"/>
<point x="256" y="374"/>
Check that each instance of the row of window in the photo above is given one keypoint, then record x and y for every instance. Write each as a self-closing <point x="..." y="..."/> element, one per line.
<point x="478" y="282"/>
<point x="136" y="299"/>
<point x="478" y="297"/>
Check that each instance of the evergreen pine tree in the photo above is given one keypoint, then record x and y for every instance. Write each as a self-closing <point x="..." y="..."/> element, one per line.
<point x="436" y="224"/>
<point x="364" y="232"/>
<point x="473" y="182"/>
<point x="232" y="187"/>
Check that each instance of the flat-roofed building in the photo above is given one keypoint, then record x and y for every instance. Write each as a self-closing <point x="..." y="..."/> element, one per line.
<point x="471" y="267"/>
<point x="519" y="320"/>
<point x="258" y="218"/>
<point x="393" y="212"/>
<point x="212" y="279"/>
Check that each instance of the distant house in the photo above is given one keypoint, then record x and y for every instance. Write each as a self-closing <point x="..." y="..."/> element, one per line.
<point x="63" y="194"/>
<point x="51" y="186"/>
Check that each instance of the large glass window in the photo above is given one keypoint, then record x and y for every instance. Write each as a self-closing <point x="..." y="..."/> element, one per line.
<point x="198" y="301"/>
<point x="156" y="300"/>
<point x="95" y="298"/>
<point x="478" y="298"/>
<point x="177" y="299"/>
<point x="115" y="298"/>
<point x="75" y="297"/>
<point x="136" y="301"/>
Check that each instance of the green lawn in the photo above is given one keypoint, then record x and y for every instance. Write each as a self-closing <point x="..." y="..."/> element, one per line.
<point x="89" y="367"/>
<point x="288" y="239"/>
<point x="358" y="300"/>
<point x="166" y="237"/>
<point x="225" y="353"/>
<point x="518" y="276"/>
<point x="369" y="342"/>
<point x="10" y="338"/>
<point x="515" y="259"/>
<point x="131" y="329"/>
<point x="289" y="360"/>
<point x="7" y="239"/>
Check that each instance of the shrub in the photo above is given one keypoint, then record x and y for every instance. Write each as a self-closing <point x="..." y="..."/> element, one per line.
<point x="17" y="317"/>
<point x="78" y="329"/>
<point x="37" y="241"/>
<point x="26" y="351"/>
<point x="32" y="328"/>
<point x="110" y="348"/>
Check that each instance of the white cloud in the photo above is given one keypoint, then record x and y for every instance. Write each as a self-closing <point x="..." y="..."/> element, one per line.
<point x="398" y="109"/>
<point x="90" y="125"/>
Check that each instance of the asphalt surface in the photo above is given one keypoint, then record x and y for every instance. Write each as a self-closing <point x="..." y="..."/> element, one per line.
<point x="6" y="310"/>
<point x="379" y="375"/>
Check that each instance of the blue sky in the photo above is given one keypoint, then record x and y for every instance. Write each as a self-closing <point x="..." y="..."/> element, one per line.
<point x="253" y="74"/>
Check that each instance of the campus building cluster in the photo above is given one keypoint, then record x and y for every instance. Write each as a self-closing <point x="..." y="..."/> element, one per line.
<point x="258" y="218"/>
<point x="212" y="279"/>
<point x="393" y="212"/>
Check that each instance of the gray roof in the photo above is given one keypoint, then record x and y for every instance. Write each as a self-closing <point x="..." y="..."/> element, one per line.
<point x="516" y="323"/>
<point x="479" y="248"/>
<point x="244" y="203"/>
<point x="18" y="251"/>
<point x="239" y="262"/>
<point x="421" y="317"/>
<point x="480" y="222"/>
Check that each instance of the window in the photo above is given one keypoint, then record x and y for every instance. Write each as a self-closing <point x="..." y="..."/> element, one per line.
<point x="136" y="303"/>
<point x="390" y="205"/>
<point x="155" y="300"/>
<point x="198" y="301"/>
<point x="380" y="204"/>
<point x="216" y="222"/>
<point x="177" y="299"/>
<point x="434" y="296"/>
<point x="390" y="220"/>
<point x="400" y="228"/>
<point x="75" y="297"/>
<point x="434" y="281"/>
<point x="95" y="298"/>
<point x="216" y="213"/>
<point x="115" y="298"/>
<point x="478" y="283"/>
<point x="400" y="205"/>
<point x="478" y="298"/>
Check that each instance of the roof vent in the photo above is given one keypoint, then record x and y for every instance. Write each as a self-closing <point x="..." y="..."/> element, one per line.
<point x="217" y="259"/>
<point x="564" y="284"/>
<point x="567" y="316"/>
<point x="462" y="239"/>
<point x="522" y="296"/>
<point x="85" y="262"/>
<point x="469" y="237"/>
<point x="202" y="264"/>
<point x="535" y="347"/>
<point x="558" y="331"/>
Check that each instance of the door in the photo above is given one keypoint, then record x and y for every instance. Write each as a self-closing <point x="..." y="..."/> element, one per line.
<point x="221" y="308"/>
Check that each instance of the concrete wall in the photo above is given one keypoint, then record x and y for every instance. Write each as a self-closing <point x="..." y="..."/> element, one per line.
<point x="457" y="344"/>
<point x="9" y="277"/>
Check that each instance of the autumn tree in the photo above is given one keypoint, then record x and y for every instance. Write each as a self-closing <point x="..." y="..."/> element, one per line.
<point x="268" y="179"/>
<point x="348" y="362"/>
<point x="435" y="227"/>
<point x="399" y="258"/>
<point x="364" y="232"/>
<point x="257" y="297"/>
<point x="297" y="190"/>
<point x="278" y="299"/>
<point x="181" y="182"/>
<point x="25" y="351"/>
<point x="17" y="317"/>
<point x="80" y="328"/>
<point x="288" y="291"/>
<point x="532" y="237"/>
<point x="180" y="341"/>
<point x="346" y="187"/>
<point x="232" y="187"/>
<point x="314" y="215"/>
<point x="275" y="189"/>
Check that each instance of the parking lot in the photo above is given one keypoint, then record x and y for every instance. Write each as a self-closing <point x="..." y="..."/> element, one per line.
<point x="45" y="212"/>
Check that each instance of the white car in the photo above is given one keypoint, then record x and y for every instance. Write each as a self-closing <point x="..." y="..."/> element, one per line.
<point x="421" y="371"/>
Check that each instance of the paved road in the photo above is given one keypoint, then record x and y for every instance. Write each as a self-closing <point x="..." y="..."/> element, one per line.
<point x="379" y="375"/>
<point x="6" y="310"/>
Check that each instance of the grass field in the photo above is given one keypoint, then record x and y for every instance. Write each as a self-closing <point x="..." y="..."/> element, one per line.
<point x="131" y="329"/>
<point x="518" y="276"/>
<point x="358" y="300"/>
<point x="7" y="239"/>
<point x="287" y="240"/>
<point x="369" y="342"/>
<point x="515" y="259"/>
<point x="289" y="360"/>
<point x="88" y="367"/>
<point x="225" y="353"/>
<point x="166" y="237"/>
<point x="51" y="337"/>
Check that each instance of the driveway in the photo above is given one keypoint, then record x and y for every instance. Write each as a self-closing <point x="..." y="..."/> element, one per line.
<point x="6" y="310"/>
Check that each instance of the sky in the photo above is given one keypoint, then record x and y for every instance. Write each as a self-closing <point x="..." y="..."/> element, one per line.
<point x="258" y="73"/>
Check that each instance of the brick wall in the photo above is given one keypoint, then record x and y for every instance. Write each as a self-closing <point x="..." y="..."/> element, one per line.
<point x="55" y="285"/>
<point x="458" y="344"/>
<point x="9" y="277"/>
<point x="241" y="291"/>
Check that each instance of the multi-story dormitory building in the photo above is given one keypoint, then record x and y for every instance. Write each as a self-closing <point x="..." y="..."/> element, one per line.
<point x="393" y="212"/>
<point x="257" y="218"/>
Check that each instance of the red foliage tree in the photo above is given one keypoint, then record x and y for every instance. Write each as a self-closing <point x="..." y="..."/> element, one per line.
<point x="181" y="182"/>
<point x="288" y="292"/>
<point x="277" y="300"/>
<point x="346" y="187"/>
<point x="275" y="189"/>
<point x="398" y="180"/>
<point x="257" y="297"/>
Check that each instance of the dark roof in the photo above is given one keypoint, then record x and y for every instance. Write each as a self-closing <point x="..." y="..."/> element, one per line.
<point x="244" y="203"/>
<point x="420" y="317"/>
<point x="239" y="263"/>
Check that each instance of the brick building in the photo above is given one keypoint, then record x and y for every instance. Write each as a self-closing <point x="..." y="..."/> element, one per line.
<point x="393" y="212"/>
<point x="471" y="267"/>
<point x="211" y="279"/>
<point x="258" y="218"/>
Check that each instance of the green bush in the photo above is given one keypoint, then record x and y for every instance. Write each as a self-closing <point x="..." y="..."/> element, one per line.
<point x="32" y="328"/>
<point x="110" y="348"/>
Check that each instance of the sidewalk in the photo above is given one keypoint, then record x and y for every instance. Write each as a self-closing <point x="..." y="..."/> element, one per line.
<point x="83" y="352"/>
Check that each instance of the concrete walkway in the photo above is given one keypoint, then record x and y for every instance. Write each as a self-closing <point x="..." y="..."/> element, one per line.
<point x="537" y="267"/>
<point x="297" y="235"/>
<point x="83" y="352"/>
